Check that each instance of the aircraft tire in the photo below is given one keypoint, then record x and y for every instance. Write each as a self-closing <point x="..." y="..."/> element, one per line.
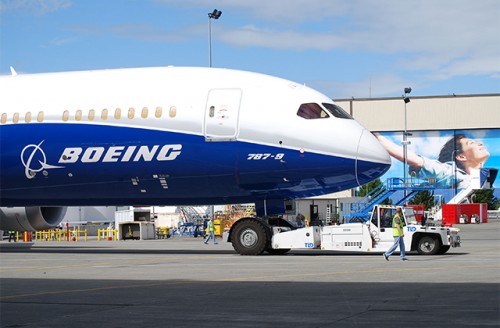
<point x="249" y="237"/>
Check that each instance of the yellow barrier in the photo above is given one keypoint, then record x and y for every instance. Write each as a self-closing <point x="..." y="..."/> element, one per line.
<point x="60" y="235"/>
<point x="76" y="233"/>
<point x="107" y="234"/>
<point x="49" y="235"/>
<point x="25" y="236"/>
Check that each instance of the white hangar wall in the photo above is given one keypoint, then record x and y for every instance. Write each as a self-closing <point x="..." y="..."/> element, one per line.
<point x="426" y="113"/>
<point x="436" y="113"/>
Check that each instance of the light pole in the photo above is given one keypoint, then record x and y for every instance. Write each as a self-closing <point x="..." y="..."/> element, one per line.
<point x="213" y="15"/>
<point x="405" y="142"/>
<point x="454" y="167"/>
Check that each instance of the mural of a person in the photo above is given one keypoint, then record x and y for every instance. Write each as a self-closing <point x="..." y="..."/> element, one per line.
<point x="458" y="156"/>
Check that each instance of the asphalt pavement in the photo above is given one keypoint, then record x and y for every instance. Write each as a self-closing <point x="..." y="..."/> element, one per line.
<point x="181" y="282"/>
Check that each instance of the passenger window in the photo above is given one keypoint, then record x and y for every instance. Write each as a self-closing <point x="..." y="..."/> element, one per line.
<point x="40" y="117"/>
<point x="337" y="111"/>
<point x="118" y="113"/>
<point x="91" y="115"/>
<point x="65" y="116"/>
<point x="158" y="112"/>
<point x="211" y="112"/>
<point x="131" y="113"/>
<point x="78" y="115"/>
<point x="15" y="119"/>
<point x="172" y="112"/>
<point x="144" y="113"/>
<point x="27" y="117"/>
<point x="104" y="114"/>
<point x="311" y="111"/>
<point x="4" y="118"/>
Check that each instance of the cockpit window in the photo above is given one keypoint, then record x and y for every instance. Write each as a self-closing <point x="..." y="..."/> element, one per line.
<point x="311" y="111"/>
<point x="337" y="111"/>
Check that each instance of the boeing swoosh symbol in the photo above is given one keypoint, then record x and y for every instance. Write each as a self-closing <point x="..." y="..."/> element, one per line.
<point x="30" y="171"/>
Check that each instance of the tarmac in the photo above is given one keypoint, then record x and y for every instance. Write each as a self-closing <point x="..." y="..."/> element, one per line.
<point x="181" y="282"/>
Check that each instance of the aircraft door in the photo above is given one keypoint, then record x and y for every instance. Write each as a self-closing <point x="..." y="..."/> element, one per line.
<point x="221" y="114"/>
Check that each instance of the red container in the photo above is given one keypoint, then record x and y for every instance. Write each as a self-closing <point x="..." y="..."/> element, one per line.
<point x="450" y="215"/>
<point x="452" y="212"/>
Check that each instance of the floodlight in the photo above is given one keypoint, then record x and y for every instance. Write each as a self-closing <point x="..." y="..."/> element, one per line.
<point x="215" y="14"/>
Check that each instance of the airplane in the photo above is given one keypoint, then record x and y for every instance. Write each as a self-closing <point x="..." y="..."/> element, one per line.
<point x="171" y="136"/>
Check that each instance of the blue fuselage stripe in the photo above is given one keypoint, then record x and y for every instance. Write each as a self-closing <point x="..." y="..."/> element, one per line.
<point x="85" y="164"/>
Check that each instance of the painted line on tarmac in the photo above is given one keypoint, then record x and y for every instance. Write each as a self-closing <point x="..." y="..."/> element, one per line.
<point x="248" y="279"/>
<point x="101" y="264"/>
<point x="95" y="289"/>
<point x="251" y="278"/>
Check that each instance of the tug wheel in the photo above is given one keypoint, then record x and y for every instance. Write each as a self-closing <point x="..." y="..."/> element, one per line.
<point x="428" y="245"/>
<point x="249" y="237"/>
<point x="443" y="250"/>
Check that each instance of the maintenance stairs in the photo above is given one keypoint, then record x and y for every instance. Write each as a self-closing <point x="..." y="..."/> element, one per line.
<point x="193" y="220"/>
<point x="398" y="189"/>
<point x="401" y="190"/>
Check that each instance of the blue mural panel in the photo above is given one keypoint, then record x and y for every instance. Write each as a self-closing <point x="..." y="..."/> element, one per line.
<point x="446" y="156"/>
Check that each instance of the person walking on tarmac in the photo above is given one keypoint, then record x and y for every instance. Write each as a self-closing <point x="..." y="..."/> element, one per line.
<point x="398" y="225"/>
<point x="211" y="231"/>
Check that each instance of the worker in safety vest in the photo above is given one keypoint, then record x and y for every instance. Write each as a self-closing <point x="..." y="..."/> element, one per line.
<point x="211" y="231"/>
<point x="398" y="224"/>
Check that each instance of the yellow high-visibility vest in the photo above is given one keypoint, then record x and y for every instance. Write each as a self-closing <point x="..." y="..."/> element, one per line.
<point x="395" y="231"/>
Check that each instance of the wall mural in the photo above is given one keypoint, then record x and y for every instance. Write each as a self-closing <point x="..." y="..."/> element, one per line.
<point x="446" y="156"/>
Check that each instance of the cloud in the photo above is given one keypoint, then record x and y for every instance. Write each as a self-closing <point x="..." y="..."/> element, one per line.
<point x="376" y="86"/>
<point x="142" y="32"/>
<point x="488" y="65"/>
<point x="61" y="41"/>
<point x="35" y="7"/>
<point x="252" y="36"/>
<point x="290" y="12"/>
<point x="445" y="38"/>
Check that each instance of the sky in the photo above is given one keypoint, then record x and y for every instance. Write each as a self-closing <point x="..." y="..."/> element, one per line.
<point x="344" y="49"/>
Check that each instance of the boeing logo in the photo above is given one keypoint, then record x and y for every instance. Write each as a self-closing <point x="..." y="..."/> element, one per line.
<point x="32" y="154"/>
<point x="34" y="159"/>
<point x="120" y="154"/>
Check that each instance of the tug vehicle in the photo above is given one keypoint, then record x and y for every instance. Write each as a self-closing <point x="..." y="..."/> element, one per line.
<point x="253" y="236"/>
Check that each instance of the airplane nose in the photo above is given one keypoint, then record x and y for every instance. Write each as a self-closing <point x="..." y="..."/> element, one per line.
<point x="372" y="160"/>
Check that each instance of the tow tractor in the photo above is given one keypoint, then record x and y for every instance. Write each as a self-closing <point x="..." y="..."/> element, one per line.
<point x="253" y="236"/>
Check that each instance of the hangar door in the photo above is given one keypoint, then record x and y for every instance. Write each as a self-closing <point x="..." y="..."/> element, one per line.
<point x="221" y="114"/>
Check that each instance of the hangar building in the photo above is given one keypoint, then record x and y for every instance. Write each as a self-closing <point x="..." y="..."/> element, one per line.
<point x="430" y="122"/>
